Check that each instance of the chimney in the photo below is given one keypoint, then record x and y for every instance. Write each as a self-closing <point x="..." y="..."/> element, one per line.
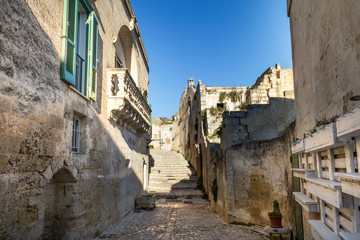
<point x="190" y="82"/>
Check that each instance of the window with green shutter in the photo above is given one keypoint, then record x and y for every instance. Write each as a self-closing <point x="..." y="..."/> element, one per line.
<point x="91" y="61"/>
<point x="79" y="47"/>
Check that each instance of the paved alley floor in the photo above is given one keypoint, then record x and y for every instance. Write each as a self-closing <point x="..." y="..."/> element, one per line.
<point x="174" y="220"/>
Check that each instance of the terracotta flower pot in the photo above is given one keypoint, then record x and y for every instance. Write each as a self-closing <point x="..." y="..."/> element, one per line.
<point x="275" y="221"/>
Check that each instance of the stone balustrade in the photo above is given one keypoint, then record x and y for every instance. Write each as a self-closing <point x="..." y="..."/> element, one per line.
<point x="126" y="104"/>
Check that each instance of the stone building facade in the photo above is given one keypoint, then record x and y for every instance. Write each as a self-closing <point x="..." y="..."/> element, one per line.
<point x="74" y="117"/>
<point x="165" y="134"/>
<point x="238" y="141"/>
<point x="325" y="39"/>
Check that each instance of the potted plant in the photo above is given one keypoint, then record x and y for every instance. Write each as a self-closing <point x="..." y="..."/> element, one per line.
<point x="275" y="216"/>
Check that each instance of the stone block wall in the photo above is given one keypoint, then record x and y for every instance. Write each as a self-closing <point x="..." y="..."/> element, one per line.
<point x="257" y="173"/>
<point x="224" y="162"/>
<point x="261" y="122"/>
<point x="48" y="191"/>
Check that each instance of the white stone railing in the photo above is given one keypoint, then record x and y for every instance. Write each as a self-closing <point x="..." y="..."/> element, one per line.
<point x="126" y="104"/>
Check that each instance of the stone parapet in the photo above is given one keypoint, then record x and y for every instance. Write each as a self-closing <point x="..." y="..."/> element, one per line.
<point x="261" y="122"/>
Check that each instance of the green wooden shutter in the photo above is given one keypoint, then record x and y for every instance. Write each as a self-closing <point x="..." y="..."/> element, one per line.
<point x="69" y="38"/>
<point x="92" y="56"/>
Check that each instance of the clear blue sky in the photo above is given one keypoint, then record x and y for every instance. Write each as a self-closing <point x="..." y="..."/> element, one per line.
<point x="223" y="43"/>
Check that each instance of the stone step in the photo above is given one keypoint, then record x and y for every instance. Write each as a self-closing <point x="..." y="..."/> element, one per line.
<point x="174" y="187"/>
<point x="179" y="194"/>
<point x="171" y="176"/>
<point x="178" y="177"/>
<point x="175" y="170"/>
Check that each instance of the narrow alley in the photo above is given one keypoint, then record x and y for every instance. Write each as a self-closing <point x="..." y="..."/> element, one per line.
<point x="177" y="220"/>
<point x="180" y="211"/>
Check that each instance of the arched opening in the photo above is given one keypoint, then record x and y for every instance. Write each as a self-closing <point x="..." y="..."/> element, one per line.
<point x="127" y="45"/>
<point x="60" y="203"/>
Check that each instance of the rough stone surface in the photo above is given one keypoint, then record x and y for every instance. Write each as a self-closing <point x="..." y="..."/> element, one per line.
<point x="326" y="56"/>
<point x="236" y="167"/>
<point x="171" y="220"/>
<point x="47" y="191"/>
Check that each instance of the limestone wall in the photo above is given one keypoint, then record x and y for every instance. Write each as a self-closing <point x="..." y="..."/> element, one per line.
<point x="326" y="57"/>
<point x="273" y="83"/>
<point x="253" y="162"/>
<point x="261" y="122"/>
<point x="217" y="145"/>
<point x="164" y="134"/>
<point x="47" y="191"/>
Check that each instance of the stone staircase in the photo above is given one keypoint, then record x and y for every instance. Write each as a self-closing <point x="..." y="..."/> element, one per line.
<point x="171" y="176"/>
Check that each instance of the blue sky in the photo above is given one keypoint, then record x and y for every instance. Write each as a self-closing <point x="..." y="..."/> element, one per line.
<point x="223" y="43"/>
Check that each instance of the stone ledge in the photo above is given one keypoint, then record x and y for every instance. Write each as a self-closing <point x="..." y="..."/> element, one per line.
<point x="320" y="231"/>
<point x="329" y="191"/>
<point x="350" y="183"/>
<point x="298" y="147"/>
<point x="303" y="173"/>
<point x="349" y="236"/>
<point x="307" y="203"/>
<point x="349" y="124"/>
<point x="324" y="139"/>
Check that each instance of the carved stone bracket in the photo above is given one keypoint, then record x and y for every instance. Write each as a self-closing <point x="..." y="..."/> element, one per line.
<point x="126" y="104"/>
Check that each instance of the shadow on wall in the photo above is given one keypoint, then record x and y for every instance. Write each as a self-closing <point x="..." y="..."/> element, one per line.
<point x="45" y="191"/>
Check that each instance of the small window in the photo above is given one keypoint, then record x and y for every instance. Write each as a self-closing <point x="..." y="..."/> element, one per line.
<point x="118" y="63"/>
<point x="76" y="135"/>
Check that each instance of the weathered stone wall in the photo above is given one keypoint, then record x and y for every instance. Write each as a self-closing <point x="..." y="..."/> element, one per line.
<point x="216" y="157"/>
<point x="273" y="83"/>
<point x="47" y="191"/>
<point x="164" y="134"/>
<point x="326" y="56"/>
<point x="261" y="122"/>
<point x="258" y="172"/>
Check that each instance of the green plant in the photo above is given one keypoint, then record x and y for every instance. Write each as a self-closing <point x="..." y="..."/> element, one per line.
<point x="234" y="96"/>
<point x="190" y="164"/>
<point x="222" y="96"/>
<point x="165" y="121"/>
<point x="214" y="189"/>
<point x="151" y="146"/>
<point x="213" y="111"/>
<point x="3" y="237"/>
<point x="203" y="112"/>
<point x="170" y="129"/>
<point x="244" y="107"/>
<point x="304" y="135"/>
<point x="148" y="195"/>
<point x="217" y="132"/>
<point x="276" y="210"/>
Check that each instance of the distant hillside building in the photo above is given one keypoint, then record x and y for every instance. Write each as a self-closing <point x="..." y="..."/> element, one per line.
<point x="237" y="138"/>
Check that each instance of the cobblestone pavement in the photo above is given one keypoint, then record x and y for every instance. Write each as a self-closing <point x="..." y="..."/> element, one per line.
<point x="174" y="220"/>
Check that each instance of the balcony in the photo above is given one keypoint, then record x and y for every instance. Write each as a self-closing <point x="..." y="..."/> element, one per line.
<point x="303" y="173"/>
<point x="126" y="104"/>
<point x="349" y="125"/>
<point x="350" y="183"/>
<point x="307" y="203"/>
<point x="297" y="147"/>
<point x="323" y="139"/>
<point x="329" y="191"/>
